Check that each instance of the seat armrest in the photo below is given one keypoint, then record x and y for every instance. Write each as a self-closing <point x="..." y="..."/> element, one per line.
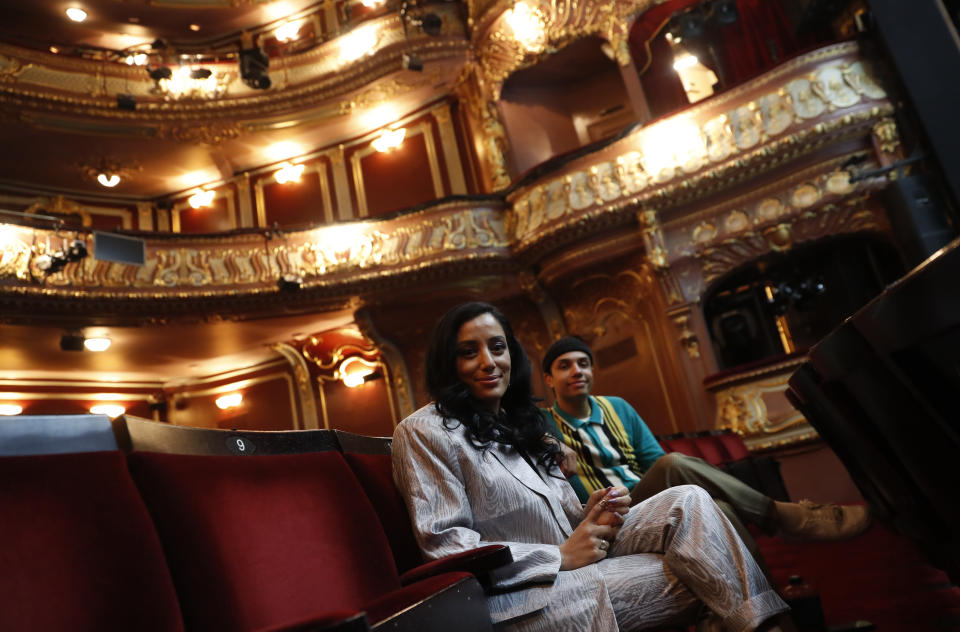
<point x="339" y="621"/>
<point x="480" y="562"/>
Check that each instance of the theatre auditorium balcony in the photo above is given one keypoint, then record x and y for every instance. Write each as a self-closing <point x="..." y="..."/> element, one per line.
<point x="262" y="208"/>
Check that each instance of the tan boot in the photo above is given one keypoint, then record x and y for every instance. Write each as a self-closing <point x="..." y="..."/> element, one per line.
<point x="809" y="521"/>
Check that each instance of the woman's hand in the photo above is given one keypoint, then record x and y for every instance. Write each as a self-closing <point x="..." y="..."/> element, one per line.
<point x="615" y="502"/>
<point x="589" y="542"/>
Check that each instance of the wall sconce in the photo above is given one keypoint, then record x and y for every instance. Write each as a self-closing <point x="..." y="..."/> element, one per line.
<point x="110" y="410"/>
<point x="390" y="140"/>
<point x="288" y="173"/>
<point x="201" y="199"/>
<point x="97" y="343"/>
<point x="288" y="32"/>
<point x="76" y="14"/>
<point x="8" y="410"/>
<point x="230" y="400"/>
<point x="354" y="371"/>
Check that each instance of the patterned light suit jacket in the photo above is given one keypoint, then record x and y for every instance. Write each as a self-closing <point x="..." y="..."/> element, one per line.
<point x="460" y="497"/>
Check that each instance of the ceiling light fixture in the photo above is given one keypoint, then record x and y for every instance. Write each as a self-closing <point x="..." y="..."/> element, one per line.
<point x="136" y="59"/>
<point x="8" y="410"/>
<point x="194" y="27"/>
<point x="108" y="181"/>
<point x="389" y="140"/>
<point x="97" y="343"/>
<point x="201" y="199"/>
<point x="288" y="173"/>
<point x="76" y="14"/>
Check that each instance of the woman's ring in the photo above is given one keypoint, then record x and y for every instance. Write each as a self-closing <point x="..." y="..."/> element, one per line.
<point x="603" y="545"/>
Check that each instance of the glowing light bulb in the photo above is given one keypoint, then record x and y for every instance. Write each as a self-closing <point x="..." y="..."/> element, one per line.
<point x="288" y="173"/>
<point x="357" y="43"/>
<point x="110" y="410"/>
<point x="230" y="400"/>
<point x="201" y="199"/>
<point x="289" y="31"/>
<point x="97" y="343"/>
<point x="10" y="409"/>
<point x="76" y="14"/>
<point x="390" y="140"/>
<point x="109" y="181"/>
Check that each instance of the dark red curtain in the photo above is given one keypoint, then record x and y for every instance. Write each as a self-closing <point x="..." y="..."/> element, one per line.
<point x="755" y="43"/>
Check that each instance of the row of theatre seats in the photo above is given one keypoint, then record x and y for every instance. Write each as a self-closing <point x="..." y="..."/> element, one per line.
<point x="139" y="525"/>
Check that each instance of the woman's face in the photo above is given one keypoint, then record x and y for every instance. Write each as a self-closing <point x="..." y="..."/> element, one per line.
<point x="483" y="359"/>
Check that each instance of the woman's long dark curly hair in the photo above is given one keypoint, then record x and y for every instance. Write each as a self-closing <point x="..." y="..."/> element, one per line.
<point x="519" y="422"/>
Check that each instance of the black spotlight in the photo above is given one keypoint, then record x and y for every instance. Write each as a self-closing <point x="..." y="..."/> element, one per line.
<point x="71" y="341"/>
<point x="160" y="72"/>
<point x="290" y="282"/>
<point x="690" y="25"/>
<point x="126" y="102"/>
<point x="412" y="62"/>
<point x="76" y="251"/>
<point x="725" y="12"/>
<point x="200" y="73"/>
<point x="253" y="68"/>
<point x="51" y="263"/>
<point x="431" y="23"/>
<point x="158" y="44"/>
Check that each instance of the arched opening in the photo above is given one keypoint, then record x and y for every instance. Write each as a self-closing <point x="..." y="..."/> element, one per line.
<point x="786" y="302"/>
<point x="570" y="99"/>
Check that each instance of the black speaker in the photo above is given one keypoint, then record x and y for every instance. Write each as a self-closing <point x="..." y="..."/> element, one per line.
<point x="918" y="216"/>
<point x="119" y="248"/>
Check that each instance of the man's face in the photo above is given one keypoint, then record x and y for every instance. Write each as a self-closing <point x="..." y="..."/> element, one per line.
<point x="571" y="375"/>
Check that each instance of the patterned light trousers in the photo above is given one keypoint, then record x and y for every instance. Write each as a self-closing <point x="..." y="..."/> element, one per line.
<point x="675" y="553"/>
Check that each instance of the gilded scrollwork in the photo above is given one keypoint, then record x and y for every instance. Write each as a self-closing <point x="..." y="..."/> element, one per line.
<point x="709" y="141"/>
<point x="501" y="53"/>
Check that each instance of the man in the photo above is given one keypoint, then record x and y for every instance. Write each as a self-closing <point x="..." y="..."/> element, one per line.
<point x="613" y="446"/>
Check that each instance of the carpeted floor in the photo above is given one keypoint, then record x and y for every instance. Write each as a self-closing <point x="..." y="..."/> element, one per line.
<point x="879" y="577"/>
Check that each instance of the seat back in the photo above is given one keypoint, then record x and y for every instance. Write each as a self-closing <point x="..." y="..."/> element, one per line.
<point x="369" y="458"/>
<point x="79" y="549"/>
<point x="682" y="443"/>
<point x="55" y="434"/>
<point x="137" y="433"/>
<point x="254" y="540"/>
<point x="713" y="451"/>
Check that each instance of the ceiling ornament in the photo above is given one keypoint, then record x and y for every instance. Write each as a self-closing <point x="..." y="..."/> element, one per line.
<point x="549" y="25"/>
<point x="212" y="133"/>
<point x="108" y="167"/>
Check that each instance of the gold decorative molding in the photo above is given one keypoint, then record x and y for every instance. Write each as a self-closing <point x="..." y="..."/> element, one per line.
<point x="721" y="147"/>
<point x="42" y="83"/>
<point x="500" y="54"/>
<point x="754" y="405"/>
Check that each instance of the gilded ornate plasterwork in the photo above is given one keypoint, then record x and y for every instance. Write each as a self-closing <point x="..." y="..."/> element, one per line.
<point x="230" y="266"/>
<point x="500" y="53"/>
<point x="212" y="133"/>
<point x="41" y="82"/>
<point x="755" y="406"/>
<point x="724" y="139"/>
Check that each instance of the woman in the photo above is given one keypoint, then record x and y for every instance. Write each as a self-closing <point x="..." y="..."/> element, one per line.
<point x="475" y="468"/>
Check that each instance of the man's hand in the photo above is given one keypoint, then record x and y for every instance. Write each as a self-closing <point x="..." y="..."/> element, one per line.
<point x="589" y="542"/>
<point x="567" y="461"/>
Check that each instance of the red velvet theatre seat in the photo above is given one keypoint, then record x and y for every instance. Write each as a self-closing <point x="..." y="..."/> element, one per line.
<point x="79" y="552"/>
<point x="259" y="541"/>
